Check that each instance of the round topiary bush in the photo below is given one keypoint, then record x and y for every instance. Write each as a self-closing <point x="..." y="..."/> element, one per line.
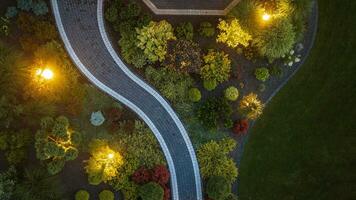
<point x="210" y="85"/>
<point x="106" y="195"/>
<point x="231" y="93"/>
<point x="150" y="191"/>
<point x="82" y="195"/>
<point x="262" y="74"/>
<point x="218" y="188"/>
<point x="194" y="94"/>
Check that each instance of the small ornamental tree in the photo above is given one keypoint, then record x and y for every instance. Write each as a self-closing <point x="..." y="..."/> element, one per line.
<point x="262" y="74"/>
<point x="217" y="67"/>
<point x="153" y="38"/>
<point x="103" y="163"/>
<point x="276" y="40"/>
<point x="232" y="34"/>
<point x="56" y="143"/>
<point x="194" y="94"/>
<point x="185" y="31"/>
<point x="241" y="127"/>
<point x="82" y="195"/>
<point x="106" y="195"/>
<point x="214" y="160"/>
<point x="151" y="191"/>
<point x="231" y="93"/>
<point x="250" y="106"/>
<point x="218" y="188"/>
<point x="184" y="56"/>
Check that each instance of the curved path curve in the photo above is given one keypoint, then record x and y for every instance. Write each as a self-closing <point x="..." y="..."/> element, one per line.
<point x="81" y="27"/>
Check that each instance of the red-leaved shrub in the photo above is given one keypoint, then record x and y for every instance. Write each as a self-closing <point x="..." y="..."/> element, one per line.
<point x="160" y="174"/>
<point x="142" y="176"/>
<point x="167" y="192"/>
<point x="241" y="127"/>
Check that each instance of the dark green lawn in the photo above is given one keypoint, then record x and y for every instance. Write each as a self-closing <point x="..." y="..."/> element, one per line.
<point x="304" y="146"/>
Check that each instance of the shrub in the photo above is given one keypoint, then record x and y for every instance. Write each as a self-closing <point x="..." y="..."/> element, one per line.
<point x="97" y="118"/>
<point x="210" y="84"/>
<point x="130" y="52"/>
<point x="214" y="159"/>
<point x="104" y="163"/>
<point x="172" y="85"/>
<point x="112" y="13"/>
<point x="82" y="195"/>
<point x="232" y="34"/>
<point x="53" y="143"/>
<point x="206" y="29"/>
<point x="300" y="11"/>
<point x="11" y="12"/>
<point x="218" y="188"/>
<point x="142" y="176"/>
<point x="184" y="56"/>
<point x="153" y="38"/>
<point x="8" y="181"/>
<point x="25" y="5"/>
<point x="40" y="7"/>
<point x="248" y="13"/>
<point x="250" y="106"/>
<point x="194" y="94"/>
<point x="262" y="74"/>
<point x="15" y="145"/>
<point x="185" y="31"/>
<point x="217" y="67"/>
<point x="106" y="195"/>
<point x="241" y="127"/>
<point x="277" y="71"/>
<point x="160" y="174"/>
<point x="231" y="93"/>
<point x="276" y="40"/>
<point x="151" y="191"/>
<point x="214" y="112"/>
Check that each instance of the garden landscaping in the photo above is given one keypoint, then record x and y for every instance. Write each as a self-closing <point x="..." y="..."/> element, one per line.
<point x="62" y="138"/>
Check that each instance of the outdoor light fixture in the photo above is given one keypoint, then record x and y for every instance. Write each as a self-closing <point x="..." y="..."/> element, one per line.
<point x="111" y="156"/>
<point x="266" y="17"/>
<point x="45" y="73"/>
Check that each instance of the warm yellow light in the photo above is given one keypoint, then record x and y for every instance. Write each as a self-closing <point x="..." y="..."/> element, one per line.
<point x="111" y="156"/>
<point x="266" y="17"/>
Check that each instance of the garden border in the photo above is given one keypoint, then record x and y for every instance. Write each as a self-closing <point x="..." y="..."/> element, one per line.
<point x="159" y="11"/>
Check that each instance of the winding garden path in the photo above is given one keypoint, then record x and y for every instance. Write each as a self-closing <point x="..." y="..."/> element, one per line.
<point x="81" y="27"/>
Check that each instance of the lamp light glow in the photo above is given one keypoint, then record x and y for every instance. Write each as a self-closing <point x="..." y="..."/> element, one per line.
<point x="110" y="155"/>
<point x="266" y="17"/>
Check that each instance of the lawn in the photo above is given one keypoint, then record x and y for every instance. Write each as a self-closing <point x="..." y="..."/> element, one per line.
<point x="303" y="147"/>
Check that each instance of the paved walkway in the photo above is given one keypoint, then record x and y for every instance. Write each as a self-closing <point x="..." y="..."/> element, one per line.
<point x="81" y="26"/>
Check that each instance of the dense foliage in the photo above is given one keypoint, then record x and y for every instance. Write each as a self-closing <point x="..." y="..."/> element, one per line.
<point x="151" y="191"/>
<point x="262" y="74"/>
<point x="15" y="144"/>
<point x="184" y="56"/>
<point x="231" y="93"/>
<point x="106" y="195"/>
<point x="8" y="181"/>
<point x="217" y="66"/>
<point x="232" y="34"/>
<point x="214" y="161"/>
<point x="185" y="31"/>
<point x="82" y="195"/>
<point x="250" y="106"/>
<point x="218" y="188"/>
<point x="206" y="29"/>
<point x="215" y="112"/>
<point x="194" y="94"/>
<point x="153" y="39"/>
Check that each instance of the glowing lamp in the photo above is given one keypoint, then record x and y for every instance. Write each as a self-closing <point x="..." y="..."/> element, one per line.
<point x="266" y="17"/>
<point x="45" y="73"/>
<point x="110" y="155"/>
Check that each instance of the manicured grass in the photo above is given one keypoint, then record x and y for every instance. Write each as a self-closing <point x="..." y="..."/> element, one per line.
<point x="303" y="147"/>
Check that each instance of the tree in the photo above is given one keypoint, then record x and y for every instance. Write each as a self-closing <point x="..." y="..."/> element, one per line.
<point x="218" y="188"/>
<point x="231" y="93"/>
<point x="185" y="31"/>
<point x="232" y="34"/>
<point x="276" y="40"/>
<point x="56" y="143"/>
<point x="151" y="191"/>
<point x="172" y="85"/>
<point x="82" y="195"/>
<point x="106" y="195"/>
<point x="104" y="163"/>
<point x="214" y="161"/>
<point x="262" y="74"/>
<point x="153" y="38"/>
<point x="194" y="94"/>
<point x="184" y="56"/>
<point x="36" y="184"/>
<point x="217" y="67"/>
<point x="250" y="106"/>
<point x="213" y="112"/>
<point x="8" y="181"/>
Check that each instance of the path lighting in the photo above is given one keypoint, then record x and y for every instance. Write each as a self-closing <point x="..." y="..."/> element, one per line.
<point x="46" y="73"/>
<point x="110" y="155"/>
<point x="266" y="17"/>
